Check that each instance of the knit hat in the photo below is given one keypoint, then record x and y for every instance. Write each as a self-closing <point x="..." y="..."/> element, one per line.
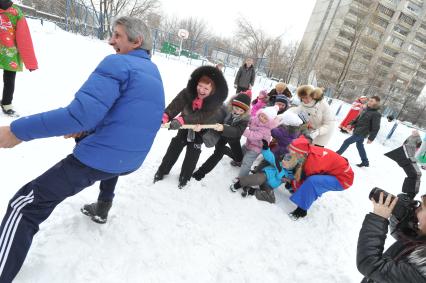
<point x="270" y="112"/>
<point x="300" y="145"/>
<point x="304" y="117"/>
<point x="242" y="101"/>
<point x="283" y="99"/>
<point x="280" y="87"/>
<point x="290" y="118"/>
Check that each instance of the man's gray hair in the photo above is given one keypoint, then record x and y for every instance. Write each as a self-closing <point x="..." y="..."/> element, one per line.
<point x="136" y="28"/>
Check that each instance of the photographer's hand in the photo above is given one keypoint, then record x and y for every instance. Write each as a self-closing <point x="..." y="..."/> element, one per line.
<point x="384" y="208"/>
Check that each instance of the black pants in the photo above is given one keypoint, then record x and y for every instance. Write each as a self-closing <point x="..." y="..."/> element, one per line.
<point x="8" y="87"/>
<point x="220" y="150"/>
<point x="193" y="151"/>
<point x="240" y="89"/>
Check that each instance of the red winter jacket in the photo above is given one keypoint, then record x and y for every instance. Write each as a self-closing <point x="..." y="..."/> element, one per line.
<point x="323" y="161"/>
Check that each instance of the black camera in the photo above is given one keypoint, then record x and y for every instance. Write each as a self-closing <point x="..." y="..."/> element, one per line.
<point x="403" y="221"/>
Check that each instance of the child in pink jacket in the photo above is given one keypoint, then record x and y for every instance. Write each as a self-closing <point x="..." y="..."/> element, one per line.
<point x="259" y="129"/>
<point x="259" y="102"/>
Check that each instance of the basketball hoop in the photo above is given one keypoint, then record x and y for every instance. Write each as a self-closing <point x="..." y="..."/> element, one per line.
<point x="183" y="34"/>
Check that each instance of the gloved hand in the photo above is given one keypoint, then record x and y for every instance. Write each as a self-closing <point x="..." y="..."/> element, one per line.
<point x="314" y="134"/>
<point x="165" y="118"/>
<point x="265" y="145"/>
<point x="175" y="124"/>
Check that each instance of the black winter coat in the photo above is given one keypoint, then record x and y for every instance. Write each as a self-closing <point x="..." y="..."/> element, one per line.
<point x="403" y="262"/>
<point x="245" y="76"/>
<point x="233" y="127"/>
<point x="367" y="123"/>
<point x="182" y="103"/>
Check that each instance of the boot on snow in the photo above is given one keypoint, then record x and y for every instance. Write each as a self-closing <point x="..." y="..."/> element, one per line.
<point x="97" y="211"/>
<point x="298" y="213"/>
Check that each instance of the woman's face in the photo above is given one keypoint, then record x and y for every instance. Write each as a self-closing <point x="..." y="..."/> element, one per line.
<point x="421" y="216"/>
<point x="306" y="99"/>
<point x="263" y="118"/>
<point x="204" y="90"/>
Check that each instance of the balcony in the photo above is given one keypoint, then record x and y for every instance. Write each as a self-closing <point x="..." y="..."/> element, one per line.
<point x="422" y="28"/>
<point x="385" y="12"/>
<point x="406" y="20"/>
<point x="420" y="40"/>
<point x="390" y="3"/>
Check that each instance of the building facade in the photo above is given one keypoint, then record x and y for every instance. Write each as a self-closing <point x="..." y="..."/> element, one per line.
<point x="366" y="47"/>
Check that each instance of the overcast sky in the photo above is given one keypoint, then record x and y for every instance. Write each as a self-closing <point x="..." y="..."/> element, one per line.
<point x="288" y="17"/>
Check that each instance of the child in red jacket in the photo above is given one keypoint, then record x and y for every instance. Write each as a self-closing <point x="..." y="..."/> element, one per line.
<point x="323" y="170"/>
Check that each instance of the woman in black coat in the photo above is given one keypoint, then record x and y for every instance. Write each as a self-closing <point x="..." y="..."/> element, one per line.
<point x="404" y="261"/>
<point x="198" y="103"/>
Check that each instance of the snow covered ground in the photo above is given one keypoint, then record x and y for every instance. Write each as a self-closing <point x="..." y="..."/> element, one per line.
<point x="157" y="233"/>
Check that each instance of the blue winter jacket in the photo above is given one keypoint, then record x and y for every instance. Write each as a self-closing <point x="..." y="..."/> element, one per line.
<point x="121" y="104"/>
<point x="273" y="175"/>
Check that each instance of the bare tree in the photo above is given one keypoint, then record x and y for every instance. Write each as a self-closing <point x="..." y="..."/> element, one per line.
<point x="255" y="41"/>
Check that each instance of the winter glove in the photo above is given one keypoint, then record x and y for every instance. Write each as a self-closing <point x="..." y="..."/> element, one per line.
<point x="175" y="124"/>
<point x="314" y="134"/>
<point x="165" y="118"/>
<point x="265" y="145"/>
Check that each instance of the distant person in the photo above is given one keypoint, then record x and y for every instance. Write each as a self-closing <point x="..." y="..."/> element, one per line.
<point x="244" y="80"/>
<point x="356" y="108"/>
<point x="119" y="110"/>
<point x="366" y="125"/>
<point x="220" y="66"/>
<point x="198" y="103"/>
<point x="280" y="89"/>
<point x="413" y="143"/>
<point x="16" y="47"/>
<point x="259" y="102"/>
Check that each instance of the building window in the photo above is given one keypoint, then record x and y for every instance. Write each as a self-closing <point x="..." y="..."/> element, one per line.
<point x="337" y="58"/>
<point x="421" y="75"/>
<point x="395" y="41"/>
<point x="385" y="10"/>
<point x="365" y="56"/>
<point x="413" y="8"/>
<point x="407" y="19"/>
<point x="350" y="24"/>
<point x="401" y="30"/>
<point x="420" y="38"/>
<point x="406" y="70"/>
<point x="346" y="35"/>
<point x="416" y="50"/>
<point x="380" y="22"/>
<point x="385" y="63"/>
<point x="410" y="60"/>
<point x="341" y="47"/>
<point x="374" y="33"/>
<point x="366" y="3"/>
<point x="370" y="44"/>
<point x="390" y="52"/>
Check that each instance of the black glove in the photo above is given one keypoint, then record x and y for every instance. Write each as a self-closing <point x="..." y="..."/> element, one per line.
<point x="175" y="125"/>
<point x="278" y="164"/>
<point x="265" y="145"/>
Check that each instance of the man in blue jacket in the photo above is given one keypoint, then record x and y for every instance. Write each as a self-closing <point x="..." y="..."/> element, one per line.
<point x="119" y="110"/>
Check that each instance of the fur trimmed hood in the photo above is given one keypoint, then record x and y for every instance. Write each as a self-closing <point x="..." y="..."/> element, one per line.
<point x="316" y="93"/>
<point x="214" y="100"/>
<point x="418" y="259"/>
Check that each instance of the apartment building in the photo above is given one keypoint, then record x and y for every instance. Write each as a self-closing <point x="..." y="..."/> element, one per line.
<point x="366" y="47"/>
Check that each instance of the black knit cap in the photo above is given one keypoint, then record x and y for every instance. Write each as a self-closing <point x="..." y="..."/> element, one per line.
<point x="242" y="101"/>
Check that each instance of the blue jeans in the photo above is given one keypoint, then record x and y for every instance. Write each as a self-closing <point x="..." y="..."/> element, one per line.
<point x="312" y="188"/>
<point x="359" y="145"/>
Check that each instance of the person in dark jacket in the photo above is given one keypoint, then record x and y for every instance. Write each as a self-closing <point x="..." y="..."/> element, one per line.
<point x="404" y="261"/>
<point x="120" y="104"/>
<point x="367" y="124"/>
<point x="198" y="103"/>
<point x="236" y="117"/>
<point x="280" y="89"/>
<point x="244" y="80"/>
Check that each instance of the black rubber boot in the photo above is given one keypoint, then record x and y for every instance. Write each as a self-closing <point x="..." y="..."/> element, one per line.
<point x="98" y="211"/>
